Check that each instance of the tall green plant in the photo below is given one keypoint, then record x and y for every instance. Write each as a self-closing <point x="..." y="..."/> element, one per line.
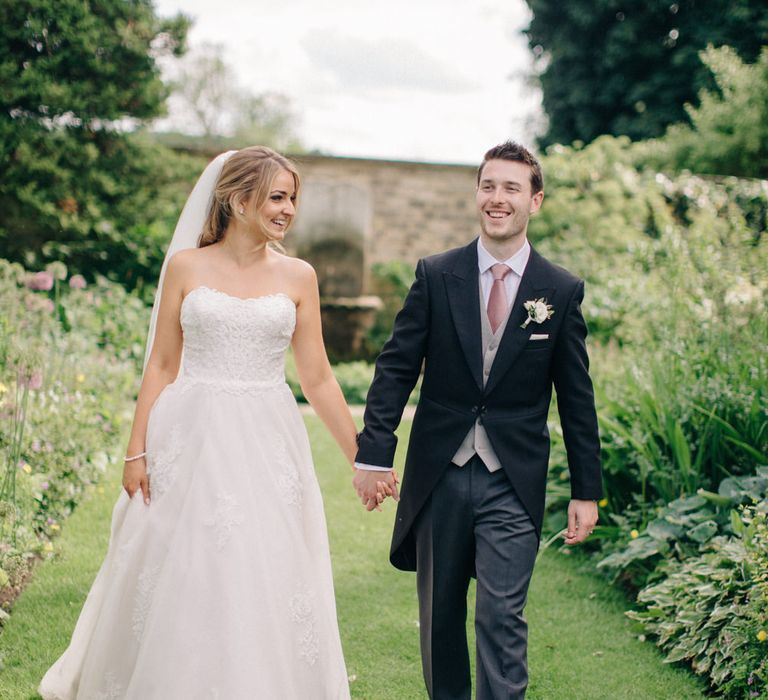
<point x="690" y="414"/>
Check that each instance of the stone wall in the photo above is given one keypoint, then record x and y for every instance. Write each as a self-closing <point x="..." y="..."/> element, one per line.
<point x="388" y="210"/>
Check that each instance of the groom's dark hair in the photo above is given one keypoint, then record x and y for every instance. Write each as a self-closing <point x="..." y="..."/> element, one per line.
<point x="509" y="150"/>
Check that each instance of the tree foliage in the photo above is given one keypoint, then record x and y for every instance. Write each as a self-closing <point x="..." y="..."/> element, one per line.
<point x="611" y="67"/>
<point x="728" y="134"/>
<point x="75" y="77"/>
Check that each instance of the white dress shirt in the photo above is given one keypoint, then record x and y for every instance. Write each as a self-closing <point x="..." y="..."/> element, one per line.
<point x="512" y="281"/>
<point x="511" y="284"/>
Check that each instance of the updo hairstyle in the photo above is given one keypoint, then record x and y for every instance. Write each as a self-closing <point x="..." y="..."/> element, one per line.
<point x="249" y="172"/>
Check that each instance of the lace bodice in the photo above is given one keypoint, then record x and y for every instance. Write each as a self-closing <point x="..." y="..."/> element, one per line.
<point x="235" y="343"/>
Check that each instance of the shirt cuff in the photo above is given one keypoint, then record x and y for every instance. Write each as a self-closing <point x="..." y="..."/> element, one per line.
<point x="371" y="467"/>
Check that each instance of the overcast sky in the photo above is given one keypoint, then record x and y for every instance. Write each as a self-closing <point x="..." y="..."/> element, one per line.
<point x="423" y="80"/>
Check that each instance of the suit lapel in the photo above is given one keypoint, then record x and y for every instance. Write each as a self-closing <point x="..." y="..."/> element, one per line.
<point x="532" y="286"/>
<point x="462" y="287"/>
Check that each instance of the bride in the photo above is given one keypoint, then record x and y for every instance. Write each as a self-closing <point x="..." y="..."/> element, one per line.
<point x="217" y="582"/>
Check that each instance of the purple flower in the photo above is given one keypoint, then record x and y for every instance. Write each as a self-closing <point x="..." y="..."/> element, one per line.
<point x="48" y="305"/>
<point x="77" y="282"/>
<point x="44" y="486"/>
<point x="33" y="380"/>
<point x="40" y="281"/>
<point x="36" y="380"/>
<point x="36" y="447"/>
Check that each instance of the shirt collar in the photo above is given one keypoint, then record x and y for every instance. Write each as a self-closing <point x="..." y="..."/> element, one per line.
<point x="517" y="262"/>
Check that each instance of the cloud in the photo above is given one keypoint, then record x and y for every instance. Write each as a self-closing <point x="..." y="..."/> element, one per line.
<point x="381" y="64"/>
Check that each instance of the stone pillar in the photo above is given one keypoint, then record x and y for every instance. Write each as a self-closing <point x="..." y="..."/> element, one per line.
<point x="331" y="232"/>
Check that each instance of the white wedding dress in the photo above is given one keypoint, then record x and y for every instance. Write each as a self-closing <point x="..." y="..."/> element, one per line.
<point x="221" y="588"/>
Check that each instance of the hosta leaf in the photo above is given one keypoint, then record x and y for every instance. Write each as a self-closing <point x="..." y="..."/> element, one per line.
<point x="702" y="664"/>
<point x="690" y="618"/>
<point x="721" y="612"/>
<point x="687" y="504"/>
<point x="699" y="648"/>
<point x="662" y="529"/>
<point x="703" y="532"/>
<point x="741" y="488"/>
<point x="719" y="674"/>
<point x="678" y="653"/>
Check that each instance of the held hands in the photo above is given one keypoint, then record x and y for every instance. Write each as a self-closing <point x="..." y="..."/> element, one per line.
<point x="373" y="487"/>
<point x="582" y="518"/>
<point x="135" y="478"/>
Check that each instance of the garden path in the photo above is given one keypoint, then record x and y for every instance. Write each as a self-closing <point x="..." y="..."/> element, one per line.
<point x="581" y="646"/>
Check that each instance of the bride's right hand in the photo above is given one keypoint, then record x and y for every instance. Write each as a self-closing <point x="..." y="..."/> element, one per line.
<point x="135" y="477"/>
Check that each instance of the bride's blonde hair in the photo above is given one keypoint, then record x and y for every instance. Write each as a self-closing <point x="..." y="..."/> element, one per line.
<point x="248" y="172"/>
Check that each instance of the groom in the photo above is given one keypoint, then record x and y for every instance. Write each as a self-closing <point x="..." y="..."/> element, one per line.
<point x="495" y="326"/>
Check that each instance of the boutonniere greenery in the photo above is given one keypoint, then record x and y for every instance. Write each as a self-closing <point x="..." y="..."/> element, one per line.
<point x="538" y="311"/>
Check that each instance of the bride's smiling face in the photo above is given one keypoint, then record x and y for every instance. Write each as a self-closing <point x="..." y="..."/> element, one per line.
<point x="277" y="212"/>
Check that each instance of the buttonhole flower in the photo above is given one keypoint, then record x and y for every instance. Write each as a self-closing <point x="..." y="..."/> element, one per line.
<point x="538" y="311"/>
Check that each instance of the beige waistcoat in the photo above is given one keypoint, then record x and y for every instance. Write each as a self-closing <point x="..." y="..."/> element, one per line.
<point x="476" y="441"/>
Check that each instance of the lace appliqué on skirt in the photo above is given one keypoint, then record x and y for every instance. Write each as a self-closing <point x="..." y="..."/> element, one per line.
<point x="162" y="464"/>
<point x="286" y="475"/>
<point x="303" y="615"/>
<point x="226" y="517"/>
<point x="112" y="690"/>
<point x="143" y="602"/>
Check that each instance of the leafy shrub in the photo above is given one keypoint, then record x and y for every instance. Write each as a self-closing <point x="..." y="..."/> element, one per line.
<point x="354" y="379"/>
<point x="675" y="302"/>
<point x="646" y="242"/>
<point x="679" y="529"/>
<point x="702" y="574"/>
<point x="712" y="609"/>
<point x="728" y="134"/>
<point x="690" y="413"/>
<point x="65" y="392"/>
<point x="390" y="282"/>
<point x="676" y="298"/>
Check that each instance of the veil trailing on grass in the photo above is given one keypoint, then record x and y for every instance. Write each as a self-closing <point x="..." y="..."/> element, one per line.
<point x="188" y="231"/>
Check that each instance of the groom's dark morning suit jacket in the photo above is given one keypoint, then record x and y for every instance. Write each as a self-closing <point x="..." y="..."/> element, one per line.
<point x="439" y="325"/>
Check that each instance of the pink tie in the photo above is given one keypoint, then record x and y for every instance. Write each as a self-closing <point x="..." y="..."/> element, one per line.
<point x="497" y="301"/>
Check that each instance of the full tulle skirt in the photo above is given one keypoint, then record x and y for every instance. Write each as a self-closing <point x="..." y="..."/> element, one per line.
<point x="221" y="588"/>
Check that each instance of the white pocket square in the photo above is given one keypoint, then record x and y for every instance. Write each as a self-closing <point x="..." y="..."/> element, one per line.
<point x="539" y="336"/>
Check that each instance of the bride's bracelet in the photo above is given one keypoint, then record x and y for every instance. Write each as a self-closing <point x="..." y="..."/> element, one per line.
<point x="135" y="457"/>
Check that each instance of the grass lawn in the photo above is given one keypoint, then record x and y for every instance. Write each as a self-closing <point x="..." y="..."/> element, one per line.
<point x="580" y="645"/>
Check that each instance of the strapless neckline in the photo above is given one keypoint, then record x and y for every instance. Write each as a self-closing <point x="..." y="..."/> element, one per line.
<point x="213" y="290"/>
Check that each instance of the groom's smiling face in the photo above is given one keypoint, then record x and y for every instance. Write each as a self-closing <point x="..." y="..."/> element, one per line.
<point x="505" y="200"/>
